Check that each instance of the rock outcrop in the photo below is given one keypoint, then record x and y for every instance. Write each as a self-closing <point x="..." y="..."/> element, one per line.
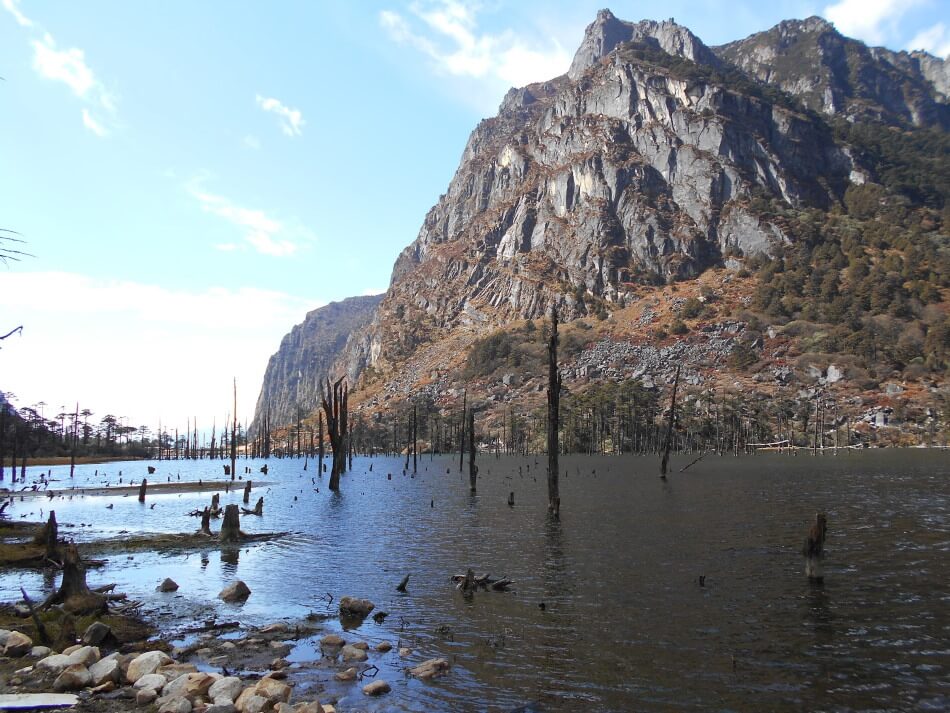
<point x="305" y="356"/>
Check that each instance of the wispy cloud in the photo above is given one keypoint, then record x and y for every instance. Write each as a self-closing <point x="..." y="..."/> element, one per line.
<point x="93" y="125"/>
<point x="291" y="120"/>
<point x="447" y="32"/>
<point x="261" y="232"/>
<point x="874" y="21"/>
<point x="251" y="142"/>
<point x="13" y="7"/>
<point x="935" y="40"/>
<point x="69" y="67"/>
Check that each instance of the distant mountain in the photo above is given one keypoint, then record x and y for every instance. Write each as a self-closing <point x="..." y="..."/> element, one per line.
<point x="741" y="208"/>
<point x="294" y="372"/>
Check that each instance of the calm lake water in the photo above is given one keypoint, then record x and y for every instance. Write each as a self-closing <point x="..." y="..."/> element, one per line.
<point x="625" y="625"/>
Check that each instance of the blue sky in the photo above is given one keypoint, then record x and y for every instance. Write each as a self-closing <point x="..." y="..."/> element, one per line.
<point x="192" y="177"/>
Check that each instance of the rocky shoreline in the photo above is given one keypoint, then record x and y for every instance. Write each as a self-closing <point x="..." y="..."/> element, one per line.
<point x="221" y="668"/>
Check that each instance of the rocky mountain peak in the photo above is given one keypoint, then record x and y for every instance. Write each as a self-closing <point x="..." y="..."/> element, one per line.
<point x="607" y="32"/>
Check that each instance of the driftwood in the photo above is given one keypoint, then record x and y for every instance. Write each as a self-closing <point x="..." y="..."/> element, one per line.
<point x="694" y="462"/>
<point x="258" y="508"/>
<point x="468" y="582"/>
<point x="403" y="584"/>
<point x="40" y="628"/>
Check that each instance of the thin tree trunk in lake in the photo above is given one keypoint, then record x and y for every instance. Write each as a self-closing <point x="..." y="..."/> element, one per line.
<point x="668" y="440"/>
<point x="142" y="488"/>
<point x="234" y="434"/>
<point x="554" y="400"/>
<point x="472" y="468"/>
<point x="415" y="439"/>
<point x="320" y="444"/>
<point x="462" y="428"/>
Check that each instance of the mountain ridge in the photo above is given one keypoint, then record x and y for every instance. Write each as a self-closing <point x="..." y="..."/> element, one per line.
<point x="653" y="161"/>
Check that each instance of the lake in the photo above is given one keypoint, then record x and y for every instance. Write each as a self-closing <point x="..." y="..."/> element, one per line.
<point x="625" y="624"/>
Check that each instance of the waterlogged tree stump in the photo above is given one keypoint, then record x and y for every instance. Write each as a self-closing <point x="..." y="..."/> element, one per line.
<point x="206" y="522"/>
<point x="142" y="488"/>
<point x="247" y="492"/>
<point x="814" y="548"/>
<point x="231" y="525"/>
<point x="74" y="594"/>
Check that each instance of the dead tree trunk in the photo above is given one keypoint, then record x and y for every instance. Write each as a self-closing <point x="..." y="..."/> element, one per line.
<point x="142" y="488"/>
<point x="472" y="468"/>
<point x="74" y="594"/>
<point x="334" y="407"/>
<point x="320" y="446"/>
<point x="247" y="492"/>
<point x="668" y="441"/>
<point x="231" y="525"/>
<point x="554" y="400"/>
<point x="52" y="537"/>
<point x="462" y="429"/>
<point x="814" y="549"/>
<point x="234" y="435"/>
<point x="206" y="522"/>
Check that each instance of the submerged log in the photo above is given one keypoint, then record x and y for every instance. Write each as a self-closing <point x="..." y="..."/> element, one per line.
<point x="470" y="582"/>
<point x="403" y="584"/>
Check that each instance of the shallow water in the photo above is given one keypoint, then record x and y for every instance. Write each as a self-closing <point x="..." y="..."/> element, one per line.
<point x="625" y="625"/>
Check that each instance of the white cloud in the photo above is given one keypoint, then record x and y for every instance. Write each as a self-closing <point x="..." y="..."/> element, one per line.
<point x="291" y="120"/>
<point x="251" y="142"/>
<point x="874" y="21"/>
<point x="69" y="67"/>
<point x="141" y="350"/>
<point x="94" y="126"/>
<point x="450" y="37"/>
<point x="13" y="7"/>
<point x="265" y="234"/>
<point x="935" y="40"/>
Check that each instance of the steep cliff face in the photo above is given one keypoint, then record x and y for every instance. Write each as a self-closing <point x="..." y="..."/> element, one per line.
<point x="642" y="164"/>
<point x="654" y="159"/>
<point x="306" y="355"/>
<point x="836" y="75"/>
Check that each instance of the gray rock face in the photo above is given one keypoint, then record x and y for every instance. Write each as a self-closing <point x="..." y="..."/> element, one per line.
<point x="836" y="75"/>
<point x="307" y="355"/>
<point x="635" y="166"/>
<point x="606" y="33"/>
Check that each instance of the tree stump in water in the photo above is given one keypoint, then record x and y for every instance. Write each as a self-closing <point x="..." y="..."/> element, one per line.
<point x="215" y="504"/>
<point x="227" y="470"/>
<point x="231" y="525"/>
<point x="814" y="549"/>
<point x="258" y="508"/>
<point x="74" y="594"/>
<point x="206" y="522"/>
<point x="142" y="488"/>
<point x="151" y="470"/>
<point x="49" y="536"/>
<point x="247" y="493"/>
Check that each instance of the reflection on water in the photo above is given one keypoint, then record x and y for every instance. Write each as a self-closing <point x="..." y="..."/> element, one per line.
<point x="607" y="611"/>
